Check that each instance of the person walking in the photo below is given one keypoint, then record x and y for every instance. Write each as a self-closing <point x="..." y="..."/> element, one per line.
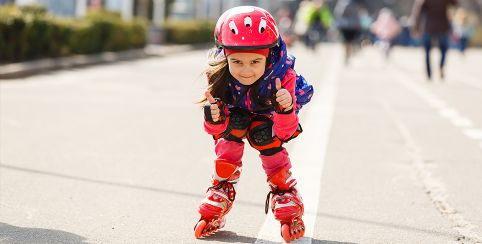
<point x="386" y="28"/>
<point x="431" y="22"/>
<point x="347" y="18"/>
<point x="462" y="29"/>
<point x="319" y="22"/>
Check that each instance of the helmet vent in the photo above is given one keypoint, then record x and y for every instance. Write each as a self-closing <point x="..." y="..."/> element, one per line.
<point x="233" y="27"/>
<point x="262" y="26"/>
<point x="248" y="22"/>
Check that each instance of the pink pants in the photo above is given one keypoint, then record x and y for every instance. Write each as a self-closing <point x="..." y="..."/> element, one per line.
<point x="233" y="152"/>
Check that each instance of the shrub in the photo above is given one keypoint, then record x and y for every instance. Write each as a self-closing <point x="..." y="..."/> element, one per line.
<point x="29" y="32"/>
<point x="183" y="32"/>
<point x="12" y="26"/>
<point x="33" y="10"/>
<point x="476" y="39"/>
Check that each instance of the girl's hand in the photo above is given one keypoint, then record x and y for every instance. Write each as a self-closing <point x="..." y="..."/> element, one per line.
<point x="212" y="111"/>
<point x="283" y="97"/>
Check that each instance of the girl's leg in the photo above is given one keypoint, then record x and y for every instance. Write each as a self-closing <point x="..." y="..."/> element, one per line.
<point x="286" y="202"/>
<point x="222" y="192"/>
<point x="227" y="169"/>
<point x="274" y="163"/>
<point x="230" y="151"/>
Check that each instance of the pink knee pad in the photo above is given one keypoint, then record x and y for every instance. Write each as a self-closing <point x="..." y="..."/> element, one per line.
<point x="229" y="151"/>
<point x="273" y="163"/>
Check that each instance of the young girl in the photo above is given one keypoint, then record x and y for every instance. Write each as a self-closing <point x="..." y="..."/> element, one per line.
<point x="253" y="94"/>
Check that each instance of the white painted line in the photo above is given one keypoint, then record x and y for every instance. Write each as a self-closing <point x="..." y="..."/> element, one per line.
<point x="437" y="103"/>
<point x="434" y="187"/>
<point x="455" y="117"/>
<point x="444" y="109"/>
<point x="462" y="122"/>
<point x="472" y="133"/>
<point x="448" y="113"/>
<point x="471" y="81"/>
<point x="308" y="157"/>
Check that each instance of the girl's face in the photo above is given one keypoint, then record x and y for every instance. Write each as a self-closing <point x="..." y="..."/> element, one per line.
<point x="247" y="68"/>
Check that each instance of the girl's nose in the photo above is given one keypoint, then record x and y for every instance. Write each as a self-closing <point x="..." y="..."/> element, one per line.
<point x="246" y="70"/>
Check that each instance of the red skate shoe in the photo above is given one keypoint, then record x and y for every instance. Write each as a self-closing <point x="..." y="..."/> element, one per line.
<point x="286" y="204"/>
<point x="219" y="199"/>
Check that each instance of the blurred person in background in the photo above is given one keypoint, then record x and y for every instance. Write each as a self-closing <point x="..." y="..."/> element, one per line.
<point x="313" y="20"/>
<point x="347" y="18"/>
<point x="432" y="23"/>
<point x="405" y="38"/>
<point x="319" y="22"/>
<point x="386" y="29"/>
<point x="366" y="20"/>
<point x="301" y="21"/>
<point x="285" y="25"/>
<point x="462" y="29"/>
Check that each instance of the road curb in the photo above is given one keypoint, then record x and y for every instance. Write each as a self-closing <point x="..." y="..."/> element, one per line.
<point x="28" y="68"/>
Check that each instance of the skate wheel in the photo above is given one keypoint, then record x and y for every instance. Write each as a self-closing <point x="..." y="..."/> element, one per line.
<point x="296" y="235"/>
<point x="199" y="228"/>
<point x="285" y="233"/>
<point x="300" y="234"/>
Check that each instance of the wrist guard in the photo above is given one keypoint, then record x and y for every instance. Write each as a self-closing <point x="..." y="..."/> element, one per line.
<point x="222" y="112"/>
<point x="278" y="108"/>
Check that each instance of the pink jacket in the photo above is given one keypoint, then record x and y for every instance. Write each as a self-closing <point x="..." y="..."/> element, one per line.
<point x="284" y="125"/>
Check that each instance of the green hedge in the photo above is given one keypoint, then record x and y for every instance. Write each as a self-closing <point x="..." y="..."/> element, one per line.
<point x="476" y="39"/>
<point x="29" y="32"/>
<point x="189" y="32"/>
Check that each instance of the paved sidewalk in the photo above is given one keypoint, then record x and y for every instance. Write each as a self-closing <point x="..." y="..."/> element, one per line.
<point x="117" y="153"/>
<point x="27" y="68"/>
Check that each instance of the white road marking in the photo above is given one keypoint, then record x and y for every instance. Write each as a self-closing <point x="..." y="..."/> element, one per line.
<point x="436" y="103"/>
<point x="462" y="122"/>
<point x="454" y="116"/>
<point x="308" y="156"/>
<point x="448" y="113"/>
<point x="472" y="82"/>
<point x="433" y="186"/>
<point x="465" y="124"/>
<point x="473" y="133"/>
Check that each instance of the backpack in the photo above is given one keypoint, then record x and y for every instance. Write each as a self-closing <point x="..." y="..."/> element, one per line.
<point x="303" y="90"/>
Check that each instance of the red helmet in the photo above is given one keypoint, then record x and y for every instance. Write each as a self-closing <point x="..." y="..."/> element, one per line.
<point x="246" y="27"/>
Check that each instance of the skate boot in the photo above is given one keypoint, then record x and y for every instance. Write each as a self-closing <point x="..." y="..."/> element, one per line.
<point x="286" y="204"/>
<point x="219" y="199"/>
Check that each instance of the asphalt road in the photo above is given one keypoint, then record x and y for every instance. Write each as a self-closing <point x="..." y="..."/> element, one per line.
<point x="117" y="153"/>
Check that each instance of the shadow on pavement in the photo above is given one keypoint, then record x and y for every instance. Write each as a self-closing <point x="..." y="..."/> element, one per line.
<point x="314" y="241"/>
<point x="387" y="225"/>
<point x="232" y="237"/>
<point x="118" y="184"/>
<point x="20" y="235"/>
<point x="200" y="196"/>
